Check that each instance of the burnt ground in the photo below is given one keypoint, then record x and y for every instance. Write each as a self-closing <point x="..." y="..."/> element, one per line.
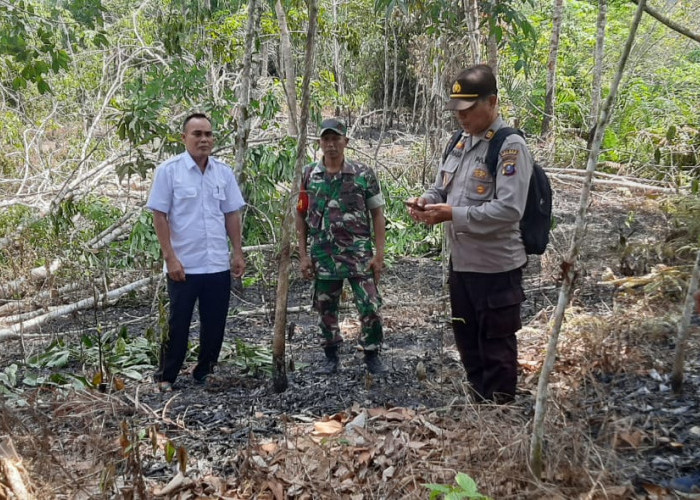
<point x="615" y="429"/>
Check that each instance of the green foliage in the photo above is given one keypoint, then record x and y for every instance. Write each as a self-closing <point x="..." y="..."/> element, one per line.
<point x="143" y="249"/>
<point x="10" y="391"/>
<point x="403" y="235"/>
<point x="249" y="358"/>
<point x="466" y="488"/>
<point x="508" y="23"/>
<point x="119" y="354"/>
<point x="266" y="188"/>
<point x="36" y="37"/>
<point x="12" y="217"/>
<point x="72" y="364"/>
<point x="99" y="211"/>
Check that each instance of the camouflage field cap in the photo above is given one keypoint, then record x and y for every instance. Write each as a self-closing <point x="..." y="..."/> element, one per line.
<point x="471" y="85"/>
<point x="333" y="125"/>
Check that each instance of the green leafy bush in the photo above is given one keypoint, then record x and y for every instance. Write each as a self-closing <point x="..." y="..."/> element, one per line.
<point x="466" y="488"/>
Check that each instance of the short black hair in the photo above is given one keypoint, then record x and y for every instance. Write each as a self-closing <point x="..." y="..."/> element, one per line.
<point x="193" y="116"/>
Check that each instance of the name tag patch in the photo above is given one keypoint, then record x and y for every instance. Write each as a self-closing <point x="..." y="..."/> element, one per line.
<point x="458" y="150"/>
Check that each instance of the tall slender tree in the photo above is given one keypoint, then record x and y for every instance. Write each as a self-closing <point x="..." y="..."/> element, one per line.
<point x="596" y="92"/>
<point x="289" y="74"/>
<point x="550" y="93"/>
<point x="568" y="266"/>
<point x="279" y="376"/>
<point x="242" y="108"/>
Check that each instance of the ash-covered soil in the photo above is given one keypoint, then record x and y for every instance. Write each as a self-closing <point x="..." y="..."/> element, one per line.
<point x="610" y="385"/>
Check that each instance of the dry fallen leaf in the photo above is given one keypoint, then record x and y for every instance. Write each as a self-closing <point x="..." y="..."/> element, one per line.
<point x="328" y="427"/>
<point x="277" y="489"/>
<point x="269" y="448"/>
<point x="630" y="439"/>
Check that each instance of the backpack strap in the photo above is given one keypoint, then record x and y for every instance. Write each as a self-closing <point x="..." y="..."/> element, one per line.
<point x="456" y="136"/>
<point x="495" y="145"/>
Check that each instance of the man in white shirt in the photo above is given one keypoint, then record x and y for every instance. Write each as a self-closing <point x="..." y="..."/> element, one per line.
<point x="196" y="205"/>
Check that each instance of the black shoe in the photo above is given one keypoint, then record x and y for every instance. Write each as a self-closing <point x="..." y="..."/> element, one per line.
<point x="374" y="364"/>
<point x="332" y="362"/>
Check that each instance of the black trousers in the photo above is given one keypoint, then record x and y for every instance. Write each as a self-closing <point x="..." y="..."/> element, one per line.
<point x="213" y="292"/>
<point x="485" y="317"/>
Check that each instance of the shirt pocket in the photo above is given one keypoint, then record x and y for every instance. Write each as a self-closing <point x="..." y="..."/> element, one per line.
<point x="185" y="192"/>
<point x="447" y="173"/>
<point x="352" y="197"/>
<point x="480" y="185"/>
<point x="218" y="191"/>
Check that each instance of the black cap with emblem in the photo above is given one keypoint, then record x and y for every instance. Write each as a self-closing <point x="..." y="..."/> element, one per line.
<point x="333" y="125"/>
<point x="471" y="85"/>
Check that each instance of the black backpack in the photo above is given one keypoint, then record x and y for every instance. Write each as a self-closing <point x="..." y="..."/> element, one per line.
<point x="537" y="218"/>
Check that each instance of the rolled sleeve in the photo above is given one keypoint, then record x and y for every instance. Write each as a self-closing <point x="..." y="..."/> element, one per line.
<point x="375" y="201"/>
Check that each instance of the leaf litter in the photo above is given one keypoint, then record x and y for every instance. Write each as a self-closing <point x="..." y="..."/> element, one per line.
<point x="614" y="429"/>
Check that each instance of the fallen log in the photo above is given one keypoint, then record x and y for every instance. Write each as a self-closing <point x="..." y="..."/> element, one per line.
<point x="15" y="331"/>
<point x="42" y="299"/>
<point x="620" y="183"/>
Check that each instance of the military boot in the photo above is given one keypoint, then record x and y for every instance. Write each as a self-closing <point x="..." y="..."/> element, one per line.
<point x="332" y="361"/>
<point x="374" y="364"/>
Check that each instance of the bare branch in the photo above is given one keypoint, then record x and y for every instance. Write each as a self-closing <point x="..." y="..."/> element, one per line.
<point x="668" y="23"/>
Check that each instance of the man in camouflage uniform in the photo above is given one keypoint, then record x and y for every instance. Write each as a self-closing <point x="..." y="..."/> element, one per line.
<point x="337" y="199"/>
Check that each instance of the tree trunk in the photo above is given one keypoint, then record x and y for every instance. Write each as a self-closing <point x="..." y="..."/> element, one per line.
<point x="337" y="56"/>
<point x="385" y="105"/>
<point x="682" y="336"/>
<point x="492" y="50"/>
<point x="471" y="14"/>
<point x="599" y="58"/>
<point x="392" y="108"/>
<point x="279" y="375"/>
<point x="552" y="70"/>
<point x="244" y="97"/>
<point x="287" y="69"/>
<point x="569" y="265"/>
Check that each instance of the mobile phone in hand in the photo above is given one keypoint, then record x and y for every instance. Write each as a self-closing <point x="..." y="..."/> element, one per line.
<point x="413" y="204"/>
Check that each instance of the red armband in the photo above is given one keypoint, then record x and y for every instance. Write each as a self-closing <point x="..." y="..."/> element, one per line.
<point x="303" y="203"/>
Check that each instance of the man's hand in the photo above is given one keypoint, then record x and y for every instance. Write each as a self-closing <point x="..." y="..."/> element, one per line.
<point x="237" y="265"/>
<point x="415" y="207"/>
<point x="433" y="214"/>
<point x="307" y="267"/>
<point x="376" y="265"/>
<point x="175" y="270"/>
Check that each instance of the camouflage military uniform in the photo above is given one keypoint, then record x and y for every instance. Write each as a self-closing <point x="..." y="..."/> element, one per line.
<point x="340" y="235"/>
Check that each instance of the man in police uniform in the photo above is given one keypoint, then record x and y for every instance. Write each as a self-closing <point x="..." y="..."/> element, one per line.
<point x="340" y="205"/>
<point x="482" y="217"/>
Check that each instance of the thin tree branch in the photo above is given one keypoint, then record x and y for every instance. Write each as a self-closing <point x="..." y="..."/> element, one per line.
<point x="668" y="23"/>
